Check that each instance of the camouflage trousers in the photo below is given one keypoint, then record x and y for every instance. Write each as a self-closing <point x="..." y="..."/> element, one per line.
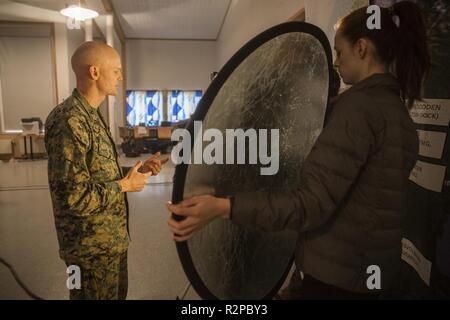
<point x="103" y="277"/>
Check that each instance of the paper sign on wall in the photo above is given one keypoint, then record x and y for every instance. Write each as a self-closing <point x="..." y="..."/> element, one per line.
<point x="431" y="111"/>
<point x="431" y="143"/>
<point x="412" y="256"/>
<point x="428" y="176"/>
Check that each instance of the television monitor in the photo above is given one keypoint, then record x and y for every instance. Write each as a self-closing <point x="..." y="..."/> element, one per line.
<point x="182" y="104"/>
<point x="144" y="107"/>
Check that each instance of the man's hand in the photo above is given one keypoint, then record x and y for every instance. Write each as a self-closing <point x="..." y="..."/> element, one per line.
<point x="153" y="165"/>
<point x="198" y="211"/>
<point x="134" y="181"/>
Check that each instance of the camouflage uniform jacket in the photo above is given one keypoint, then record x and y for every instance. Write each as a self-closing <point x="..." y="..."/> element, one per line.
<point x="90" y="209"/>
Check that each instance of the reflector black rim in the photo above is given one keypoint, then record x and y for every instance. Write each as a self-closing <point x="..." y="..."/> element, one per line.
<point x="199" y="115"/>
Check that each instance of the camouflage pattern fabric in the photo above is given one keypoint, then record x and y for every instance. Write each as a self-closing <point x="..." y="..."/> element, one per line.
<point x="102" y="278"/>
<point x="91" y="211"/>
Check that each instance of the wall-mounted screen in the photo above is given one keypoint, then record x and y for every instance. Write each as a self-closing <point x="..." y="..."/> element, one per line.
<point x="144" y="107"/>
<point x="182" y="104"/>
<point x="151" y="107"/>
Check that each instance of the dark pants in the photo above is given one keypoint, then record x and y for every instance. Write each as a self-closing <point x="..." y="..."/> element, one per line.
<point x="102" y="278"/>
<point x="309" y="288"/>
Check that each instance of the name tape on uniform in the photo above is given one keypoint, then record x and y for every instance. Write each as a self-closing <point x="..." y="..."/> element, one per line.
<point x="431" y="111"/>
<point x="431" y="143"/>
<point x="428" y="176"/>
<point x="412" y="256"/>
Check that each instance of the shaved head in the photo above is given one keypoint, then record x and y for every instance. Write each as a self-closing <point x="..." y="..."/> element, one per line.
<point x="91" y="53"/>
<point x="97" y="65"/>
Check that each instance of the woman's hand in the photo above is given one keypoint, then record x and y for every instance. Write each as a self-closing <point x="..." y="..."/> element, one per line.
<point x="198" y="212"/>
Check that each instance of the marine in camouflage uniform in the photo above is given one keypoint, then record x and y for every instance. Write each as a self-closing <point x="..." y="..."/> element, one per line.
<point x="90" y="209"/>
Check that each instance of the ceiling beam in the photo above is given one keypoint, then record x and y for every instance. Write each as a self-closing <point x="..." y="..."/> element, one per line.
<point x="110" y="9"/>
<point x="300" y="15"/>
<point x="223" y="21"/>
<point x="94" y="23"/>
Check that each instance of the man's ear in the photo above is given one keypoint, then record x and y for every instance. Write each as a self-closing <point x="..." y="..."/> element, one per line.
<point x="361" y="48"/>
<point x="94" y="72"/>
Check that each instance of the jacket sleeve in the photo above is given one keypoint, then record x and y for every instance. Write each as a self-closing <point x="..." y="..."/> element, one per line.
<point x="327" y="176"/>
<point x="69" y="174"/>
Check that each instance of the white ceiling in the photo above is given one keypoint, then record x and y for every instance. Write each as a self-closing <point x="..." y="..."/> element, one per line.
<point x="44" y="11"/>
<point x="172" y="19"/>
<point x="156" y="19"/>
<point x="48" y="4"/>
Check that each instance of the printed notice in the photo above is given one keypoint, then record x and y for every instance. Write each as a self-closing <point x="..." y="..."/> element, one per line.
<point x="142" y="131"/>
<point x="412" y="256"/>
<point x="431" y="143"/>
<point x="431" y="111"/>
<point x="428" y="176"/>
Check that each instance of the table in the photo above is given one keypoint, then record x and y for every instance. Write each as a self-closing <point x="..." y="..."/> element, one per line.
<point x="30" y="136"/>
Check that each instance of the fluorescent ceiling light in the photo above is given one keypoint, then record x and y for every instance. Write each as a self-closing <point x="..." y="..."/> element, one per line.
<point x="79" y="13"/>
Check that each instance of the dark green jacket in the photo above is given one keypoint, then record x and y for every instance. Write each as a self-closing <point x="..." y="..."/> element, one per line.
<point x="90" y="209"/>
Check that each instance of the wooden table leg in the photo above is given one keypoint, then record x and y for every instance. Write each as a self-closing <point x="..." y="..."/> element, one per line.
<point x="25" y="144"/>
<point x="31" y="147"/>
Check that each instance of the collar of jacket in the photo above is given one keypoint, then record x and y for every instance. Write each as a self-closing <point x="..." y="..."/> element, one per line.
<point x="384" y="80"/>
<point x="91" y="111"/>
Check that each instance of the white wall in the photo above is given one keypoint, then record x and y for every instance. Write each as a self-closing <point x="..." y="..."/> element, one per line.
<point x="247" y="18"/>
<point x="170" y="64"/>
<point x="27" y="64"/>
<point x="74" y="39"/>
<point x="157" y="64"/>
<point x="2" y="123"/>
<point x="118" y="105"/>
<point x="326" y="13"/>
<point x="66" y="42"/>
<point x="62" y="63"/>
<point x="27" y="79"/>
<point x="5" y="147"/>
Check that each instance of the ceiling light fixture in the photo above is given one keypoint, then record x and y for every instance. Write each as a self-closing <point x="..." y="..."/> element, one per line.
<point x="79" y="13"/>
